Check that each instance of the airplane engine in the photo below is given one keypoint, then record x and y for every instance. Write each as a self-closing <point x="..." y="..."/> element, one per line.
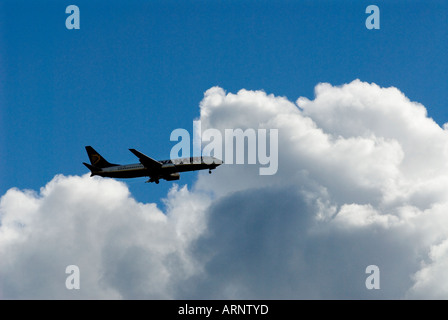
<point x="173" y="176"/>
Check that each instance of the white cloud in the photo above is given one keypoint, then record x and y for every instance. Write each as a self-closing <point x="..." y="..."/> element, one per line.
<point x="370" y="162"/>
<point x="362" y="180"/>
<point x="124" y="249"/>
<point x="354" y="215"/>
<point x="431" y="282"/>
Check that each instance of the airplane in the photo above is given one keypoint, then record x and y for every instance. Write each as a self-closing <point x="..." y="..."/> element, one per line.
<point x="168" y="170"/>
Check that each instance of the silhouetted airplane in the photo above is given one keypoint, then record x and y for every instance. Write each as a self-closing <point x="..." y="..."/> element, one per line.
<point x="148" y="167"/>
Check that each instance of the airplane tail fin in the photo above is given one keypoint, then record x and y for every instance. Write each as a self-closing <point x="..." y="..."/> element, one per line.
<point x="97" y="161"/>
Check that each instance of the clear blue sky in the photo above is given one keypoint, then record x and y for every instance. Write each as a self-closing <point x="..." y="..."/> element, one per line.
<point x="137" y="70"/>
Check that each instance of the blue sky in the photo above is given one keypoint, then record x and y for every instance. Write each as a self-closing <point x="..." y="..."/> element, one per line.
<point x="137" y="70"/>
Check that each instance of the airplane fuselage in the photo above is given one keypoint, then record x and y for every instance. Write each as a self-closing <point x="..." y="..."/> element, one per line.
<point x="168" y="167"/>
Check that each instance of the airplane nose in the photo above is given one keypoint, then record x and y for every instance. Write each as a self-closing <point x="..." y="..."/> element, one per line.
<point x="217" y="161"/>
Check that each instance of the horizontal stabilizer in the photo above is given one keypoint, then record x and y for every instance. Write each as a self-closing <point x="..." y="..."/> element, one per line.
<point x="93" y="169"/>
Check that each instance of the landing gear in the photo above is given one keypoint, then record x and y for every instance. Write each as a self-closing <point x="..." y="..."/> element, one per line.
<point x="210" y="171"/>
<point x="153" y="180"/>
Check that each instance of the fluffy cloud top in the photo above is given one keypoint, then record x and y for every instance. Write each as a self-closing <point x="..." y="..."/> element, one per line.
<point x="362" y="180"/>
<point x="124" y="249"/>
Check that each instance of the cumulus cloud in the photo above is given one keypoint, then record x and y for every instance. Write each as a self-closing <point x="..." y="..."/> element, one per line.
<point x="369" y="166"/>
<point x="124" y="249"/>
<point x="362" y="180"/>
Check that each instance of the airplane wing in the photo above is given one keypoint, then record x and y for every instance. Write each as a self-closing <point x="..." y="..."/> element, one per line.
<point x="148" y="162"/>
